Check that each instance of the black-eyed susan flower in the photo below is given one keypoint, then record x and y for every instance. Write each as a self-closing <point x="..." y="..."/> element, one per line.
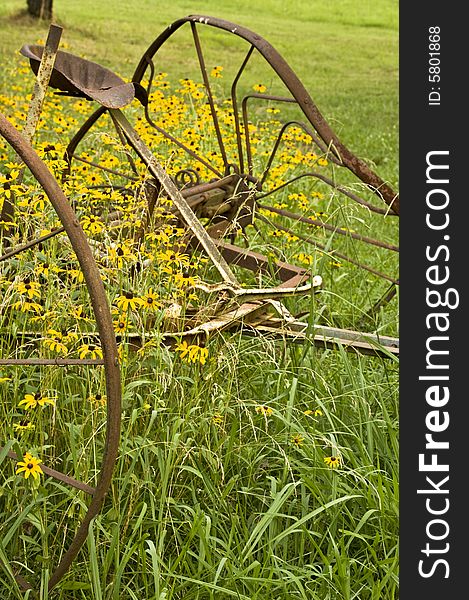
<point x="25" y="306"/>
<point x="90" y="351"/>
<point x="127" y="301"/>
<point x="216" y="72"/>
<point x="184" y="280"/>
<point x="150" y="300"/>
<point x="260" y="88"/>
<point x="317" y="412"/>
<point x="30" y="465"/>
<point x="264" y="410"/>
<point x="92" y="224"/>
<point x="35" y="400"/>
<point x="23" y="426"/>
<point x="332" y="461"/>
<point x="120" y="323"/>
<point x="217" y="419"/>
<point x="98" y="399"/>
<point x="57" y="340"/>
<point x="28" y="288"/>
<point x="297" y="440"/>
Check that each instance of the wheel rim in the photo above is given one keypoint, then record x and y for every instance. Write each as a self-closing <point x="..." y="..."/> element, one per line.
<point x="105" y="333"/>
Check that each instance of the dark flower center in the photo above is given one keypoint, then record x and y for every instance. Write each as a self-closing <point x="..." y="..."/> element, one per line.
<point x="30" y="466"/>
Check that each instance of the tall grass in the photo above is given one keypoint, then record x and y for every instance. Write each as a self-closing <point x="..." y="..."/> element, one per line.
<point x="221" y="488"/>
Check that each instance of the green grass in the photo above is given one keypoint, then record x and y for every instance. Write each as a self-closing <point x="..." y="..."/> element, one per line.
<point x="212" y="498"/>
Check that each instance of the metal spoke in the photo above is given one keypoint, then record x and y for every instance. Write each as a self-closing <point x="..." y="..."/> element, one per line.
<point x="213" y="110"/>
<point x="234" y="103"/>
<point x="31" y="244"/>
<point x="333" y="253"/>
<point x="334" y="229"/>
<point x="333" y="185"/>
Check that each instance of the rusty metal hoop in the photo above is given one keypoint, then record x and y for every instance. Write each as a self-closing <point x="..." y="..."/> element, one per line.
<point x="106" y="334"/>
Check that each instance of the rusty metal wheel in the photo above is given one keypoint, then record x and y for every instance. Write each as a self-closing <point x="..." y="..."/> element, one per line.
<point x="254" y="148"/>
<point x="56" y="331"/>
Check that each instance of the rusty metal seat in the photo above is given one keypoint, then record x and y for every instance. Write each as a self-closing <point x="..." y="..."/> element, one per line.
<point x="76" y="76"/>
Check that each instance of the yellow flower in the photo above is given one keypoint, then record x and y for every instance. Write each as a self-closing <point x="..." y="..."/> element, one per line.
<point x="216" y="72"/>
<point x="297" y="440"/>
<point x="98" y="399"/>
<point x="259" y="87"/>
<point x="23" y="426"/>
<point x="90" y="351"/>
<point x="128" y="301"/>
<point x="29" y="288"/>
<point x="4" y="379"/>
<point x="34" y="400"/>
<point x="92" y="224"/>
<point x="264" y="410"/>
<point x="57" y="340"/>
<point x="121" y="324"/>
<point x="315" y="413"/>
<point x="184" y="280"/>
<point x="29" y="466"/>
<point x="150" y="300"/>
<point x="332" y="461"/>
<point x="217" y="419"/>
<point x="192" y="353"/>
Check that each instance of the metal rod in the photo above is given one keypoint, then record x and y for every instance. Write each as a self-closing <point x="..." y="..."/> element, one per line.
<point x="32" y="243"/>
<point x="334" y="253"/>
<point x="234" y="103"/>
<point x="213" y="110"/>
<point x="59" y="362"/>
<point x="317" y="223"/>
<point x="186" y="212"/>
<point x="333" y="185"/>
<point x="84" y="487"/>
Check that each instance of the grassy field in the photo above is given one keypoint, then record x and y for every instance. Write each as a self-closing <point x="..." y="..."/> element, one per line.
<point x="250" y="468"/>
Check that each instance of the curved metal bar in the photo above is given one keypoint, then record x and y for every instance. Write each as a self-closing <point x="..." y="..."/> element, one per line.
<point x="104" y="324"/>
<point x="382" y="189"/>
<point x="334" y="253"/>
<point x="339" y="188"/>
<point x="309" y="221"/>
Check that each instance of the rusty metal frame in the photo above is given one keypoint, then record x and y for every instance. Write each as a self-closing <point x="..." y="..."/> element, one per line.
<point x="103" y="318"/>
<point x="357" y="166"/>
<point x="317" y="127"/>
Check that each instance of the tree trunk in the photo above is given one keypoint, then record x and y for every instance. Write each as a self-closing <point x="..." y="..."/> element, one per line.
<point x="40" y="9"/>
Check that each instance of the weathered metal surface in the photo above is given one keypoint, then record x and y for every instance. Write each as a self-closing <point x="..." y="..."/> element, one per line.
<point x="79" y="77"/>
<point x="105" y="329"/>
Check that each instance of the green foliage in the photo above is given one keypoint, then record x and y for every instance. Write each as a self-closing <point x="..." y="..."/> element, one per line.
<point x="221" y="488"/>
